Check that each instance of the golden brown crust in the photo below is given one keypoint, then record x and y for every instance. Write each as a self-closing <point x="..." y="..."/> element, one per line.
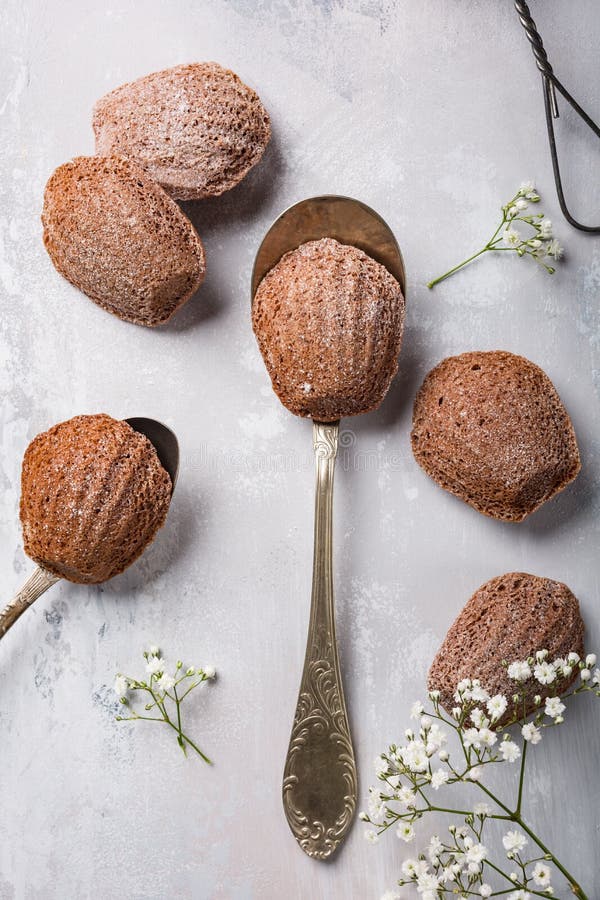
<point x="329" y="323"/>
<point x="509" y="618"/>
<point x="490" y="428"/>
<point x="196" y="129"/>
<point x="119" y="238"/>
<point x="93" y="496"/>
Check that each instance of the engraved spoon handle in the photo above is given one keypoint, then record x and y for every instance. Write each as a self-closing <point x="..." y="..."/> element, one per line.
<point x="38" y="582"/>
<point x="319" y="782"/>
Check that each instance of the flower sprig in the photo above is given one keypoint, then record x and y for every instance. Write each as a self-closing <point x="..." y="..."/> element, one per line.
<point x="410" y="775"/>
<point x="166" y="691"/>
<point x="539" y="243"/>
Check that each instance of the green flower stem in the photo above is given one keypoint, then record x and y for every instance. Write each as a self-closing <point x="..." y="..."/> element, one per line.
<point x="465" y="262"/>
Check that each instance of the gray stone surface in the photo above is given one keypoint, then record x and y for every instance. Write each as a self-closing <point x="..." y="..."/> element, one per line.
<point x="432" y="113"/>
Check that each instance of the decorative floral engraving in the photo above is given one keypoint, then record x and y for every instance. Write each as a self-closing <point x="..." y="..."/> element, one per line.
<point x="320" y="745"/>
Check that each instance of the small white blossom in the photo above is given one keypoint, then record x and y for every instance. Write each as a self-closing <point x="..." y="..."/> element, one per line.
<point x="153" y="650"/>
<point x="155" y="665"/>
<point x="546" y="228"/>
<point x="519" y="670"/>
<point x="485" y="890"/>
<point x="444" y="755"/>
<point x="476" y="853"/>
<point x="585" y="674"/>
<point x="514" y="841"/>
<point x="166" y="682"/>
<point x="435" y="848"/>
<point x="438" y="778"/>
<point x="412" y="868"/>
<point x="371" y="836"/>
<point x="531" y="733"/>
<point x="405" y="832"/>
<point x="496" y="706"/>
<point x="541" y="875"/>
<point x="434" y="695"/>
<point x="573" y="658"/>
<point x="590" y="660"/>
<point x="209" y="671"/>
<point x="510" y="751"/>
<point x="482" y="809"/>
<point x="363" y="816"/>
<point x="425" y="722"/>
<point x="554" y="707"/>
<point x="511" y="235"/>
<point x="121" y="686"/>
<point x="554" y="249"/>
<point x="456" y="711"/>
<point x="427" y="884"/>
<point x="407" y="797"/>
<point x="416" y="710"/>
<point x="544" y="672"/>
<point x="475" y="773"/>
<point x="521" y="205"/>
<point x="376" y="804"/>
<point x="414" y="756"/>
<point x="596" y="677"/>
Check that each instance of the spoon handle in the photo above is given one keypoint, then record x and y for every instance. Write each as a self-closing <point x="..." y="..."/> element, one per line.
<point x="38" y="582"/>
<point x="319" y="782"/>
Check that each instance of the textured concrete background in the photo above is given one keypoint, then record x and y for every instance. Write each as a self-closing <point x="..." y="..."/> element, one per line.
<point x="432" y="113"/>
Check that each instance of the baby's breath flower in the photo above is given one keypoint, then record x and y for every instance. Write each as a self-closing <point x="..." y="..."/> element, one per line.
<point x="363" y="816"/>
<point x="209" y="671"/>
<point x="410" y="777"/>
<point x="435" y="848"/>
<point x="544" y="672"/>
<point x="519" y="670"/>
<point x="585" y="674"/>
<point x="438" y="778"/>
<point x="554" y="707"/>
<point x="531" y="734"/>
<point x="482" y="810"/>
<point x="380" y="764"/>
<point x="161" y="702"/>
<point x="514" y="841"/>
<point x="496" y="706"/>
<point x="541" y="874"/>
<point x="154" y="665"/>
<point x="371" y="836"/>
<point x="166" y="682"/>
<point x="121" y="686"/>
<point x="416" y="710"/>
<point x="535" y="242"/>
<point x="405" y="832"/>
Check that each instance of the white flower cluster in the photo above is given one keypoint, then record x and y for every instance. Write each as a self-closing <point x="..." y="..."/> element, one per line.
<point x="539" y="245"/>
<point x="410" y="774"/>
<point x="160" y="677"/>
<point x="162" y="690"/>
<point x="457" y="867"/>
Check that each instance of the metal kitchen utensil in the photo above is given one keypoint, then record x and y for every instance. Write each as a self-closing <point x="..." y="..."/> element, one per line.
<point x="551" y="84"/>
<point x="167" y="450"/>
<point x="320" y="782"/>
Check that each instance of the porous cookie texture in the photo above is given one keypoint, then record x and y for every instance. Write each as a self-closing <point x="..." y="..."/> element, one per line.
<point x="93" y="496"/>
<point x="508" y="619"/>
<point x="119" y="238"/>
<point x="490" y="428"/>
<point x="329" y="323"/>
<point x="196" y="129"/>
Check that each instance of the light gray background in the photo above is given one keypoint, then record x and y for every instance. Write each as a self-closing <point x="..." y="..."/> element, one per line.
<point x="432" y="113"/>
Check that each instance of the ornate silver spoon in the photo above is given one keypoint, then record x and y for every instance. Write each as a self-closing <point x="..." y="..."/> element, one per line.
<point x="320" y="781"/>
<point x="167" y="450"/>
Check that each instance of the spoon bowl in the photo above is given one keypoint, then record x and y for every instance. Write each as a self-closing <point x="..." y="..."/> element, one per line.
<point x="167" y="449"/>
